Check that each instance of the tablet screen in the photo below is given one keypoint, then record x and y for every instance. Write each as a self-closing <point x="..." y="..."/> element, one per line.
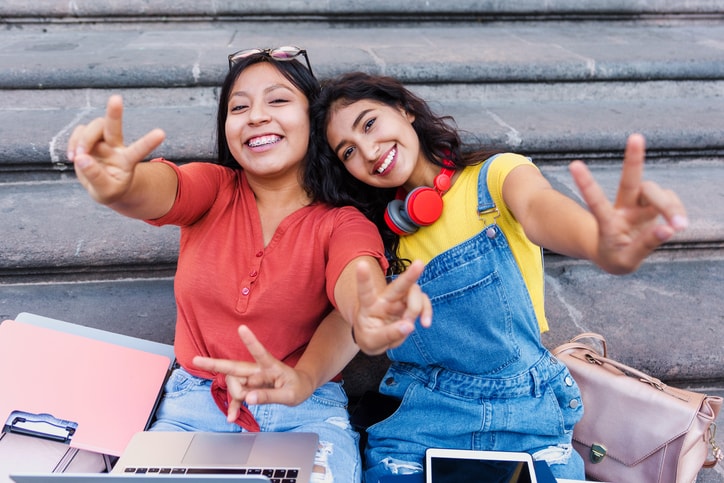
<point x="460" y="466"/>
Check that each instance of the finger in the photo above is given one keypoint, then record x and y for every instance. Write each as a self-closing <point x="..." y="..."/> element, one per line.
<point x="255" y="348"/>
<point x="113" y="127"/>
<point x="400" y="287"/>
<point x="418" y="305"/>
<point x="89" y="136"/>
<point x="268" y="396"/>
<point x="225" y="366"/>
<point x="233" y="411"/>
<point x="237" y="393"/>
<point x="591" y="192"/>
<point x="379" y="339"/>
<point x="632" y="172"/>
<point x="142" y="147"/>
<point x="666" y="203"/>
<point x="73" y="141"/>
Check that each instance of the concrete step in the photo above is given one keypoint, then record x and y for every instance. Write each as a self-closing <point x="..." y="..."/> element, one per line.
<point x="664" y="319"/>
<point x="55" y="231"/>
<point x="550" y="123"/>
<point x="554" y="90"/>
<point x="344" y="11"/>
<point x="194" y="54"/>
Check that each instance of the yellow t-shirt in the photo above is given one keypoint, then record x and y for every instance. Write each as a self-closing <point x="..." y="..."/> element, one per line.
<point x="460" y="221"/>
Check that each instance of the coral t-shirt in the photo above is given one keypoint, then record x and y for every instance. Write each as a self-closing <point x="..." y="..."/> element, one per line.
<point x="227" y="277"/>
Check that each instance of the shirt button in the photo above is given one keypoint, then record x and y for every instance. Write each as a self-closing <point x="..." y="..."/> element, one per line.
<point x="259" y="253"/>
<point x="568" y="380"/>
<point x="245" y="291"/>
<point x="573" y="404"/>
<point x="390" y="381"/>
<point x="253" y="273"/>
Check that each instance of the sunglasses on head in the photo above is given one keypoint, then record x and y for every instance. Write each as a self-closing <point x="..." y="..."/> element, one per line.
<point x="286" y="52"/>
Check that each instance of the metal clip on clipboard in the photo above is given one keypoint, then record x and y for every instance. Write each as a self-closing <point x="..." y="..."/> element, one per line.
<point x="42" y="425"/>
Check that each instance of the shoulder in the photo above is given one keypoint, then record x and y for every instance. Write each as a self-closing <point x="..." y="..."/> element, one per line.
<point x="340" y="216"/>
<point x="504" y="163"/>
<point x="500" y="166"/>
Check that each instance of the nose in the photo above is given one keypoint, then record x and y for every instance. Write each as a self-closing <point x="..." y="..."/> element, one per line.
<point x="258" y="113"/>
<point x="370" y="150"/>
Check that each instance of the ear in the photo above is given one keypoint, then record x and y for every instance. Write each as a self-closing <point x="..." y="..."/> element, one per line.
<point x="406" y="114"/>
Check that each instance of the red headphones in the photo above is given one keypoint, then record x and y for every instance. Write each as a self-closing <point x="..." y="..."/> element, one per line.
<point x="421" y="207"/>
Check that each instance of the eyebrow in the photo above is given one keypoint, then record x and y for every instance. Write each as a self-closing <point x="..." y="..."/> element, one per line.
<point x="356" y="122"/>
<point x="272" y="87"/>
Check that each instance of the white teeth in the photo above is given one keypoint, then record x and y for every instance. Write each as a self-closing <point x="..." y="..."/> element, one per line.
<point x="387" y="162"/>
<point x="262" y="140"/>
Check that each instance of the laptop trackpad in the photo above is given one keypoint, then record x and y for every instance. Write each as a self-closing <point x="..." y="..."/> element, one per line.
<point x="221" y="449"/>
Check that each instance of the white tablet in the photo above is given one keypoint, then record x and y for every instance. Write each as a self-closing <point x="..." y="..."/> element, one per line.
<point x="460" y="466"/>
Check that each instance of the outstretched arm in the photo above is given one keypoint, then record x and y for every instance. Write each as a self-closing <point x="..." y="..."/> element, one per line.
<point x="616" y="236"/>
<point x="383" y="315"/>
<point x="113" y="174"/>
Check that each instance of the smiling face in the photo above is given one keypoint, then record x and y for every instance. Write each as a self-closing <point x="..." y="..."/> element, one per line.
<point x="267" y="124"/>
<point x="376" y="143"/>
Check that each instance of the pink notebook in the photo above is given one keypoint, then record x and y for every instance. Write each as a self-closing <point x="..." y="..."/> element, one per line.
<point x="109" y="390"/>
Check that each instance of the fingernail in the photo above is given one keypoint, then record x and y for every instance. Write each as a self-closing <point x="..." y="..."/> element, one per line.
<point x="663" y="233"/>
<point x="82" y="161"/>
<point x="70" y="154"/>
<point x="406" y="328"/>
<point x="680" y="222"/>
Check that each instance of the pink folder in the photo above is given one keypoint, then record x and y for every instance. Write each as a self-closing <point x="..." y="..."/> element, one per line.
<point x="107" y="389"/>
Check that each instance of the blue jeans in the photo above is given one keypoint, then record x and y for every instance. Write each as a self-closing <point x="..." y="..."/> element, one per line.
<point x="187" y="405"/>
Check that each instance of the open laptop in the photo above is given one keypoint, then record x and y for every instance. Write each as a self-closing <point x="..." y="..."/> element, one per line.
<point x="120" y="478"/>
<point x="461" y="466"/>
<point x="206" y="457"/>
<point x="276" y="455"/>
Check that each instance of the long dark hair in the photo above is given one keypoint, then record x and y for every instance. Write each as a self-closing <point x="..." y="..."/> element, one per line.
<point x="293" y="70"/>
<point x="328" y="179"/>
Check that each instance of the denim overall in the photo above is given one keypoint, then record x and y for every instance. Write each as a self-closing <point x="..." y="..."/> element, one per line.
<point x="479" y="377"/>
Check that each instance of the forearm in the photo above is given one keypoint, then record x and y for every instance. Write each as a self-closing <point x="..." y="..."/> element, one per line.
<point x="563" y="226"/>
<point x="151" y="194"/>
<point x="330" y="349"/>
<point x="549" y="218"/>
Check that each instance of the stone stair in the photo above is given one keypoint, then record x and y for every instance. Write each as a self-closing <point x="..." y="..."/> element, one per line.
<point x="557" y="81"/>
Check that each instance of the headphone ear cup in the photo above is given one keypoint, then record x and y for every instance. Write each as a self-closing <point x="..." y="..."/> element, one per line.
<point x="423" y="205"/>
<point x="397" y="219"/>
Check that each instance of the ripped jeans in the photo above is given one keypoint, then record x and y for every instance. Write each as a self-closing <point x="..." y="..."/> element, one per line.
<point x="187" y="405"/>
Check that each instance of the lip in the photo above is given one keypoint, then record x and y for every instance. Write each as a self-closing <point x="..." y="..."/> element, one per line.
<point x="381" y="161"/>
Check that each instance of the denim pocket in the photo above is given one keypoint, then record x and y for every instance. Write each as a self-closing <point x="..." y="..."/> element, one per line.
<point x="330" y="394"/>
<point x="181" y="382"/>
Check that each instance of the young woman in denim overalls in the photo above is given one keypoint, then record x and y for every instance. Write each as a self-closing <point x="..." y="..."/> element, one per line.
<point x="478" y="377"/>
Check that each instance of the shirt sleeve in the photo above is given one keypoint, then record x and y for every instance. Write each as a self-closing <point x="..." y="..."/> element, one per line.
<point x="198" y="186"/>
<point x="353" y="236"/>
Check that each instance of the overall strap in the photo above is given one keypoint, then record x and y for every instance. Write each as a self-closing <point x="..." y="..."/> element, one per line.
<point x="485" y="199"/>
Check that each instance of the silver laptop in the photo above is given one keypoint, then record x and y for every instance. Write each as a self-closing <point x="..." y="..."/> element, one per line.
<point x="283" y="456"/>
<point x="121" y="478"/>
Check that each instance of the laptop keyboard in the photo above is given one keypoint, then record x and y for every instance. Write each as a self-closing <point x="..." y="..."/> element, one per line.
<point x="276" y="475"/>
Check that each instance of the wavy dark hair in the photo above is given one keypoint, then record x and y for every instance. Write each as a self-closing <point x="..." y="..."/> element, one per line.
<point x="296" y="72"/>
<point x="329" y="180"/>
